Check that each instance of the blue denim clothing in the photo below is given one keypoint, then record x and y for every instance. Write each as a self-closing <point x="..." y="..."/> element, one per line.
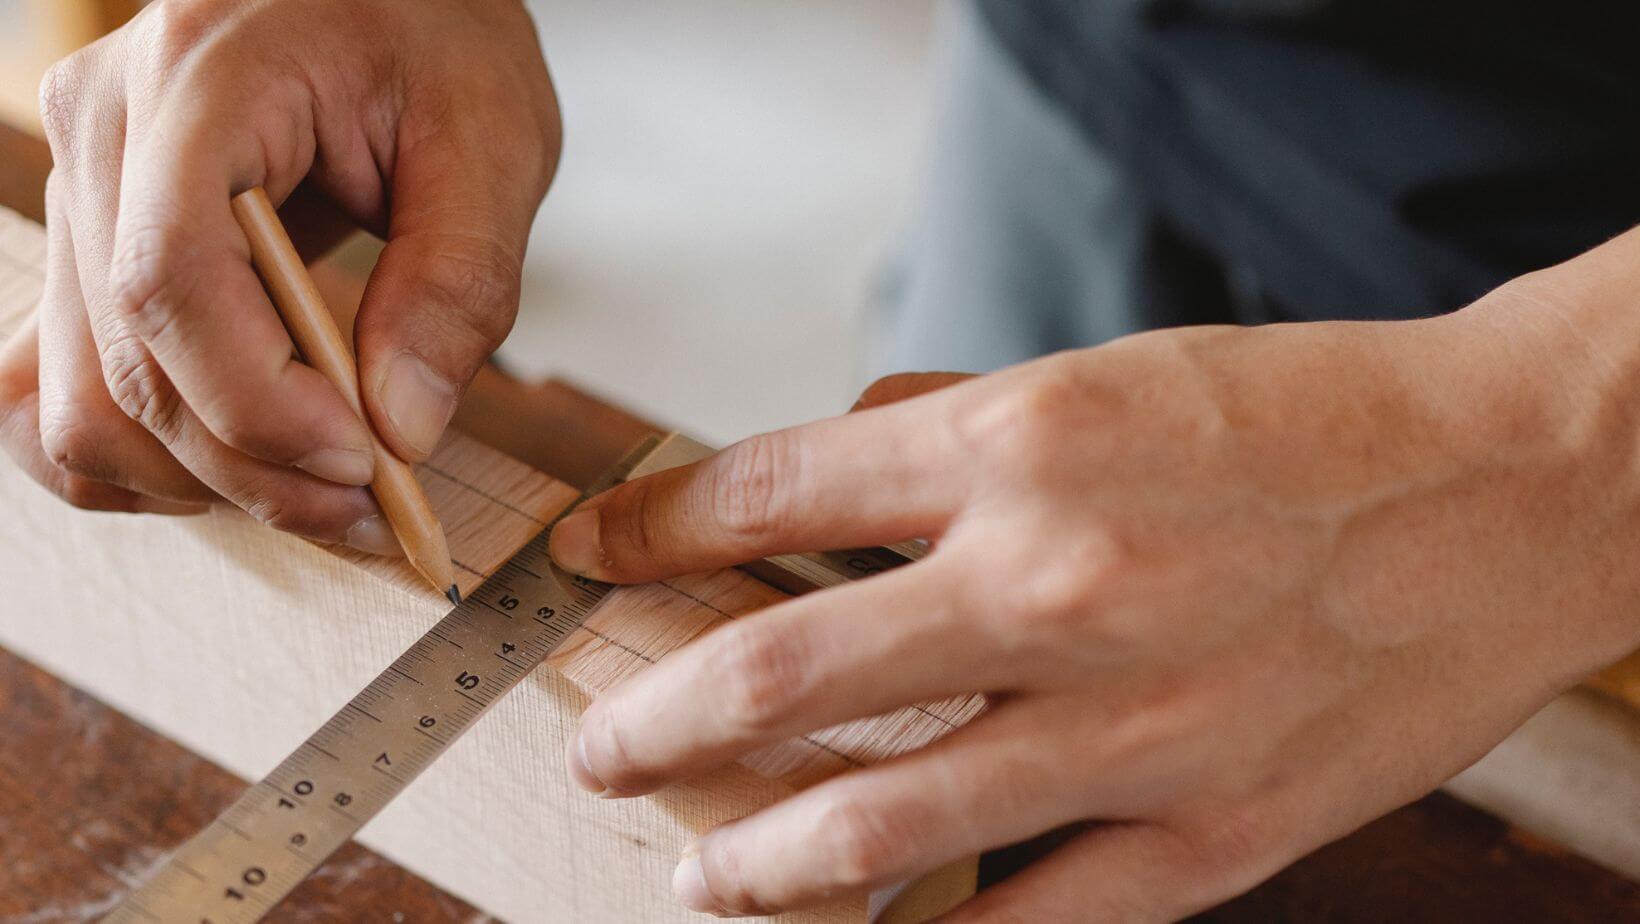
<point x="1110" y="165"/>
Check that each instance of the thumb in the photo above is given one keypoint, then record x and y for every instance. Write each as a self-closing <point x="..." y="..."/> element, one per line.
<point x="445" y="292"/>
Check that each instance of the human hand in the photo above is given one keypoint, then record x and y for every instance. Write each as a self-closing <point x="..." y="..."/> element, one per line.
<point x="1232" y="594"/>
<point x="159" y="377"/>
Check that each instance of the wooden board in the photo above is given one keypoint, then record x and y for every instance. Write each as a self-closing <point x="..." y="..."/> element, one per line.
<point x="71" y="840"/>
<point x="194" y="625"/>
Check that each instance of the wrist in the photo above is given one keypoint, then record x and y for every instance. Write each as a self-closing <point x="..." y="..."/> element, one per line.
<point x="1561" y="389"/>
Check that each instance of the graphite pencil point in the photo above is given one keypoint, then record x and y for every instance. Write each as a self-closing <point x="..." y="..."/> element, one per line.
<point x="454" y="595"/>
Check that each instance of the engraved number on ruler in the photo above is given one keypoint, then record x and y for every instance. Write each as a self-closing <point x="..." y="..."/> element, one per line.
<point x="283" y="828"/>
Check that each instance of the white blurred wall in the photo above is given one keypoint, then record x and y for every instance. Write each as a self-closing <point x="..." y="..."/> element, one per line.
<point x="732" y="173"/>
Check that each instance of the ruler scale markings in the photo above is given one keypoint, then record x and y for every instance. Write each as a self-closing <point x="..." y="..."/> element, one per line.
<point x="232" y="885"/>
<point x="279" y="831"/>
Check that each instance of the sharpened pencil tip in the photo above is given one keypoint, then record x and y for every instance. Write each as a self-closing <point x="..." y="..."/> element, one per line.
<point x="454" y="595"/>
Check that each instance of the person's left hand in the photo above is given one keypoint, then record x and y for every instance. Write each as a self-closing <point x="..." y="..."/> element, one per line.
<point x="1232" y="593"/>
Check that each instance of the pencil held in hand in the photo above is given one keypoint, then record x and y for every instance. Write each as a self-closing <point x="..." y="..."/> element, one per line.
<point x="322" y="346"/>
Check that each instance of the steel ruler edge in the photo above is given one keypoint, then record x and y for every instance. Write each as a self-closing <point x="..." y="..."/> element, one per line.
<point x="260" y="848"/>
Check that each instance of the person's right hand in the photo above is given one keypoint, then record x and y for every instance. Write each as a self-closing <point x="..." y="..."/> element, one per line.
<point x="157" y="376"/>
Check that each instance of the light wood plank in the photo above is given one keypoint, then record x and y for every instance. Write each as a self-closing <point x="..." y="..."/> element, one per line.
<point x="238" y="641"/>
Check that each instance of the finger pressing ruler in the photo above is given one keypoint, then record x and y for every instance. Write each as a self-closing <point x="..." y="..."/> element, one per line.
<point x="284" y="827"/>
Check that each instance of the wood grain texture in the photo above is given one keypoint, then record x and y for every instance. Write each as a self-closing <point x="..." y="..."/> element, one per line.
<point x="118" y="796"/>
<point x="237" y="641"/>
<point x="714" y="790"/>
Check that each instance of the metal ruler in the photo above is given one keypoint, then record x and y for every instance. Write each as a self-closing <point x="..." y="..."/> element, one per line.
<point x="283" y="828"/>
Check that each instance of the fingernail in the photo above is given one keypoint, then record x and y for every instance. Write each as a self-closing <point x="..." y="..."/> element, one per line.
<point x="575" y="544"/>
<point x="689" y="885"/>
<point x="374" y="536"/>
<point x="343" y="466"/>
<point x="581" y="771"/>
<point x="418" y="402"/>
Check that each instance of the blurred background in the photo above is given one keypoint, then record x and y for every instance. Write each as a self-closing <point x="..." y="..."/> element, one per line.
<point x="733" y="175"/>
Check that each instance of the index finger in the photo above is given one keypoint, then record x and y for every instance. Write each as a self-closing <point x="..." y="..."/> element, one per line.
<point x="865" y="479"/>
<point x="182" y="281"/>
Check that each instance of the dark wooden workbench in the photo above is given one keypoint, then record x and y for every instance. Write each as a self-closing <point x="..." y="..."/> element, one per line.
<point x="89" y="800"/>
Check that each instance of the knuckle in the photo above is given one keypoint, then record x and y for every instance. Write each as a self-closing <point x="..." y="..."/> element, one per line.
<point x="731" y="885"/>
<point x="239" y="423"/>
<point x="631" y="527"/>
<point x="74" y="443"/>
<point x="748" y="485"/>
<point x="269" y="508"/>
<point x="273" y="499"/>
<point x="765" y="677"/>
<point x="1225" y="843"/>
<point x="177" y="27"/>
<point x="1209" y="859"/>
<point x="143" y="281"/>
<point x="1019" y="424"/>
<point x="140" y="389"/>
<point x="1061" y="592"/>
<point x="478" y="284"/>
<point x="865" y="842"/>
<point x="274" y="505"/>
<point x="264" y="508"/>
<point x="607" y="753"/>
<point x="61" y="91"/>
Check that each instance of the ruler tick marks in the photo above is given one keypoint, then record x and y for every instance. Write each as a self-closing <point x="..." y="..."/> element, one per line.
<point x="392" y="776"/>
<point x="285" y="835"/>
<point x="425" y="734"/>
<point x="434" y="632"/>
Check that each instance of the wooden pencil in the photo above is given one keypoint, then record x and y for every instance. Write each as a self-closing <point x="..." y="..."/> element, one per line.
<point x="322" y="346"/>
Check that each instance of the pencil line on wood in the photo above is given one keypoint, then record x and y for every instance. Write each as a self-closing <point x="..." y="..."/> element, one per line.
<point x="626" y="648"/>
<point x="687" y="595"/>
<point x="427" y="466"/>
